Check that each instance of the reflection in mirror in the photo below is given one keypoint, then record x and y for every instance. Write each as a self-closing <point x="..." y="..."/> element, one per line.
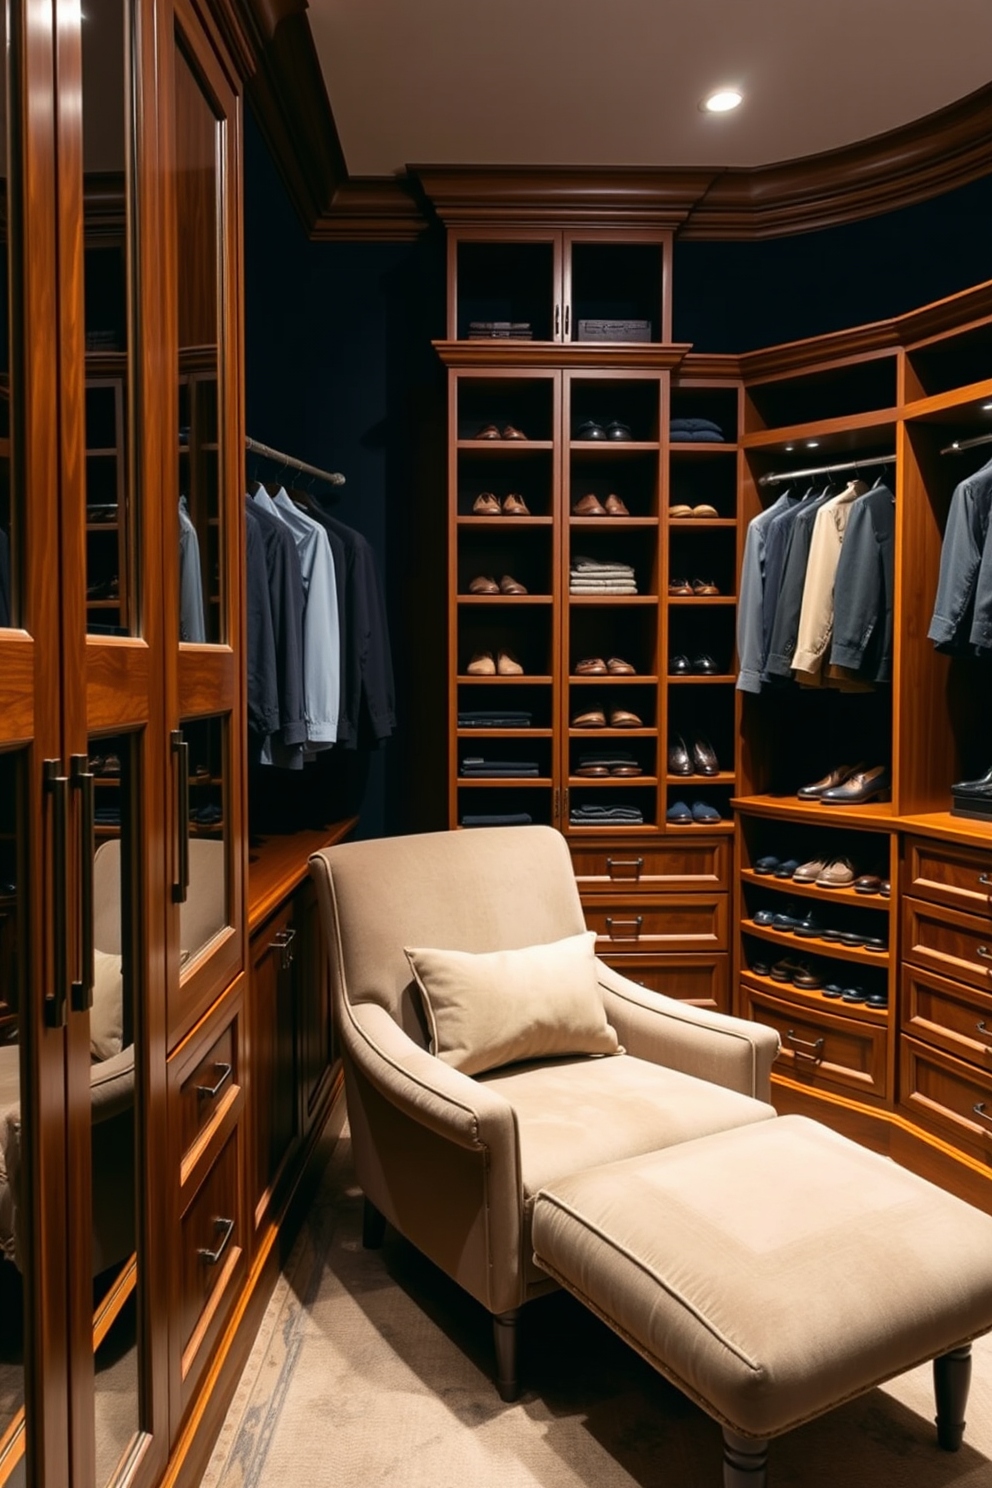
<point x="116" y="1272"/>
<point x="205" y="910"/>
<point x="7" y="534"/>
<point x="199" y="136"/>
<point x="13" y="1251"/>
<point x="110" y="517"/>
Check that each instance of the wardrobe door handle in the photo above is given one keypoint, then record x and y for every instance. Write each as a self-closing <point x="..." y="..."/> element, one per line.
<point x="210" y="1092"/>
<point x="283" y="942"/>
<point x="811" y="1049"/>
<point x="568" y="317"/>
<point x="57" y="786"/>
<point x="181" y="750"/>
<point x="985" y="881"/>
<point x="557" y="321"/>
<point x="211" y="1257"/>
<point x="984" y="952"/>
<point x="81" y="779"/>
<point x="979" y="1110"/>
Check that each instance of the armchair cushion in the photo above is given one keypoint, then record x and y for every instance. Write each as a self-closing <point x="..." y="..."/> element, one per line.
<point x="503" y="1007"/>
<point x="107" y="1012"/>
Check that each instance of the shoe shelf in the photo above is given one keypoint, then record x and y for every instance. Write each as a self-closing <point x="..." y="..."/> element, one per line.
<point x="945" y="825"/>
<point x="631" y="679"/>
<point x="505" y="449"/>
<point x="466" y="680"/>
<point x="699" y="450"/>
<point x="811" y="891"/>
<point x="614" y="601"/>
<point x="513" y="600"/>
<point x="497" y="782"/>
<point x="872" y="816"/>
<point x="617" y="782"/>
<point x="701" y="601"/>
<point x="725" y="828"/>
<point x="714" y="681"/>
<point x="613" y="449"/>
<point x="814" y="1000"/>
<point x="808" y="945"/>
<point x="595" y="734"/>
<point x="692" y="783"/>
<point x="598" y="524"/>
<point x="503" y="524"/>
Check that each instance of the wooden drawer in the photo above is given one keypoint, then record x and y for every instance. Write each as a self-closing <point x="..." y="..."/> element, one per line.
<point x="822" y="1048"/>
<point x="948" y="942"/>
<point x="702" y="980"/>
<point x="673" y="922"/>
<point x="948" y="1015"/>
<point x="947" y="874"/>
<point x="658" y="868"/>
<point x="205" y="1093"/>
<point x="941" y="1093"/>
<point x="211" y="1256"/>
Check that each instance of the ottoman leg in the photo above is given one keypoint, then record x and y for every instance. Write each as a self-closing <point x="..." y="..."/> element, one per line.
<point x="505" y="1339"/>
<point x="373" y="1225"/>
<point x="951" y="1379"/>
<point x="745" y="1461"/>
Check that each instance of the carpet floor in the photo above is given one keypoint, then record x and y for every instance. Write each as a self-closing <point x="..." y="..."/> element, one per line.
<point x="374" y="1368"/>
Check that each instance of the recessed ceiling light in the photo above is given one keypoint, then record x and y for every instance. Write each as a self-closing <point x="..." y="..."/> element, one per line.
<point x="721" y="101"/>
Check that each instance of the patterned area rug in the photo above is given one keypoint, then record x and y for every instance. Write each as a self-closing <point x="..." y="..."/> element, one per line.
<point x="373" y="1368"/>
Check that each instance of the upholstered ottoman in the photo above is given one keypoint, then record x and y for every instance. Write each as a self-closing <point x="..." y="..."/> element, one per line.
<point x="773" y="1272"/>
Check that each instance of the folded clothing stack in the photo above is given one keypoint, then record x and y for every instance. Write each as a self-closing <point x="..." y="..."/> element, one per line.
<point x="606" y="816"/>
<point x="510" y="718"/>
<point x="589" y="576"/>
<point x="695" y="431"/>
<point x="500" y="330"/>
<point x="475" y="765"/>
<point x="498" y="819"/>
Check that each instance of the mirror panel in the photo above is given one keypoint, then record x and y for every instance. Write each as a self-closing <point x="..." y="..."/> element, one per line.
<point x="207" y="906"/>
<point x="12" y="1247"/>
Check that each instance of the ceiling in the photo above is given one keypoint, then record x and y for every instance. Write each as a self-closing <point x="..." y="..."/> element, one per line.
<point x="583" y="83"/>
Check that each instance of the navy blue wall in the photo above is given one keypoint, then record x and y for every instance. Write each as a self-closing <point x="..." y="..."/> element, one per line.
<point x="340" y="371"/>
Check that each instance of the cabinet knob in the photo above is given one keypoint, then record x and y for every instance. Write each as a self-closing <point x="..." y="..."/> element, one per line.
<point x="806" y="1048"/>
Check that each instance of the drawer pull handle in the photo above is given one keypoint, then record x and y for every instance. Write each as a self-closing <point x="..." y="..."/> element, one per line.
<point x="985" y="881"/>
<point x="809" y="1049"/>
<point x="634" y="863"/>
<point x="979" y="1110"/>
<point x="282" y="942"/>
<point x="613" y="925"/>
<point x="984" y="952"/>
<point x="211" y="1257"/>
<point x="208" y="1092"/>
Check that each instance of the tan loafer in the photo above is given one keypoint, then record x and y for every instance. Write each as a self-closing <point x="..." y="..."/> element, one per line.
<point x="704" y="586"/>
<point x="489" y="432"/>
<point x="515" y="506"/>
<point x="509" y="432"/>
<point x="615" y="507"/>
<point x="596" y="771"/>
<point x="507" y="665"/>
<point x="486" y="505"/>
<point x="679" y="587"/>
<point x="705" y="510"/>
<point x="508" y="585"/>
<point x="481" y="665"/>
<point x="591" y="666"/>
<point x="589" y="506"/>
<point x="483" y="585"/>
<point x="624" y="718"/>
<point x="617" y="667"/>
<point x="681" y="510"/>
<point x="592" y="718"/>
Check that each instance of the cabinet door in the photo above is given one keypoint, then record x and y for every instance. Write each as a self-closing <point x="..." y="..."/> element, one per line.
<point x="273" y="1015"/>
<point x="505" y="284"/>
<point x="204" y="523"/>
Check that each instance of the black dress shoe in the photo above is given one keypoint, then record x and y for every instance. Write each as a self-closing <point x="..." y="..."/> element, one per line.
<point x="852" y="938"/>
<point x="787" y="868"/>
<point x="855" y="994"/>
<point x="616" y="430"/>
<point x="829" y="781"/>
<point x="766" y="916"/>
<point x="833" y="989"/>
<point x="767" y="864"/>
<point x="679" y="666"/>
<point x="786" y="919"/>
<point x="974" y="787"/>
<point x="590" y="430"/>
<point x="809" y="927"/>
<point x="679" y="762"/>
<point x="875" y="943"/>
<point x="704" y="758"/>
<point x="705" y="666"/>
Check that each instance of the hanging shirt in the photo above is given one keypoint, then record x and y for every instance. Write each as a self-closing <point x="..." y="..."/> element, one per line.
<point x="321" y="641"/>
<point x="262" y="674"/>
<point x="192" y="626"/>
<point x="816" y="617"/>
<point x="864" y="589"/>
<point x="790" y="596"/>
<point x="960" y="560"/>
<point x="750" y="627"/>
<point x="285" y="584"/>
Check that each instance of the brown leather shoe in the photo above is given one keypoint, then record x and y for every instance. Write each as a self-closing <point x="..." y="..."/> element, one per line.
<point x="595" y="771"/>
<point x="510" y="586"/>
<point x="509" y="432"/>
<point x="486" y="505"/>
<point x="836" y="776"/>
<point x="617" y="667"/>
<point x="483" y="585"/>
<point x="626" y="770"/>
<point x="591" y="718"/>
<point x="705" y="510"/>
<point x="481" y="665"/>
<point x="680" y="510"/>
<point x="704" y="586"/>
<point x="489" y="432"/>
<point x="615" y="507"/>
<point x="507" y="665"/>
<point x="624" y="718"/>
<point x="590" y="666"/>
<point x="839" y="873"/>
<point x="589" y="506"/>
<point x="679" y="587"/>
<point x="515" y="506"/>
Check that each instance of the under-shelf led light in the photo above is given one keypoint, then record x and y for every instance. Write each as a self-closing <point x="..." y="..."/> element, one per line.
<point x="721" y="101"/>
<point x="987" y="407"/>
<point x="812" y="444"/>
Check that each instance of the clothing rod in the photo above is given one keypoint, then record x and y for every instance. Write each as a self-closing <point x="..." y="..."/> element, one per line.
<point x="772" y="480"/>
<point x="333" y="477"/>
<point x="966" y="444"/>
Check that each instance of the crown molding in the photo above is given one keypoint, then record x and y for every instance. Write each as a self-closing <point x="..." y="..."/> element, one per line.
<point x="542" y="196"/>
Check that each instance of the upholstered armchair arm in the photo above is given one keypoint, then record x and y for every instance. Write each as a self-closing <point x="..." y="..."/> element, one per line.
<point x="450" y="1104"/>
<point x="712" y="1046"/>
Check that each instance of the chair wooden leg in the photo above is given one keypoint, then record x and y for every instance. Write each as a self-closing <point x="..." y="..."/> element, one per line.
<point x="373" y="1225"/>
<point x="745" y="1462"/>
<point x="951" y="1381"/>
<point x="505" y="1339"/>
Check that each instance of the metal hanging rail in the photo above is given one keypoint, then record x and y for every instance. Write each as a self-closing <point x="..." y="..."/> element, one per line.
<point x="790" y="475"/>
<point x="966" y="444"/>
<point x="332" y="477"/>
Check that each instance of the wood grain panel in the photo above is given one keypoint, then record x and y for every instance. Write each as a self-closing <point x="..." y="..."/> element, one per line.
<point x="117" y="674"/>
<point x="675" y="922"/>
<point x="17" y="687"/>
<point x="822" y="1048"/>
<point x="702" y="980"/>
<point x="651" y="868"/>
<point x="941" y="1093"/>
<point x="948" y="1015"/>
<point x="947" y="942"/>
<point x="208" y="682"/>
<point x="945" y="873"/>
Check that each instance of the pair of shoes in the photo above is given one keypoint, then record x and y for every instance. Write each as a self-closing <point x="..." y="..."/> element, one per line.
<point x="700" y="666"/>
<point x="873" y="883"/>
<point x="504" y="664"/>
<point x="684" y="511"/>
<point x="596" y="718"/>
<point x="488" y="505"/>
<point x="492" y="431"/>
<point x="104" y="765"/>
<point x="591" y="506"/>
<point x="855" y="992"/>
<point x="485" y="585"/>
<point x="683" y="587"/>
<point x="104" y="589"/>
<point x="699" y="811"/>
<point x="595" y="767"/>
<point x="699" y="760"/>
<point x="849" y="785"/>
<point x="100" y="512"/>
<point x="595" y="666"/>
<point x="592" y="430"/>
<point x="801" y="973"/>
<point x="827" y="872"/>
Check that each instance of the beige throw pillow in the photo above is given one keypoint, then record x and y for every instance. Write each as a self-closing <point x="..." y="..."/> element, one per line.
<point x="107" y="1012"/>
<point x="501" y="1007"/>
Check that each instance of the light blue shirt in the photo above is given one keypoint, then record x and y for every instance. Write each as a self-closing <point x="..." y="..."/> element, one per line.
<point x="750" y="630"/>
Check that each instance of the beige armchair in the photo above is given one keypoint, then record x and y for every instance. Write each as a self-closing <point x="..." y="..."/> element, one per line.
<point x="452" y="1160"/>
